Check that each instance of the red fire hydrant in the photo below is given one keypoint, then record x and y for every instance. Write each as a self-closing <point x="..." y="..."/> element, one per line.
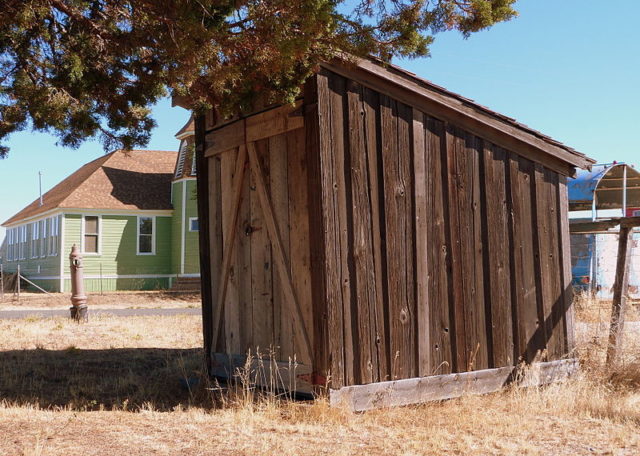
<point x="79" y="310"/>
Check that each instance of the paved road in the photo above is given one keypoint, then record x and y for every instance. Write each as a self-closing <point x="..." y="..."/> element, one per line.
<point x="117" y="312"/>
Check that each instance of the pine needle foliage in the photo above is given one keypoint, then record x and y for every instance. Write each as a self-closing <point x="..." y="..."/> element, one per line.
<point x="83" y="69"/>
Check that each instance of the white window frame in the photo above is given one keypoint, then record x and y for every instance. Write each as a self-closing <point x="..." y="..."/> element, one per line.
<point x="42" y="226"/>
<point x="54" y="232"/>
<point x="16" y="244"/>
<point x="190" y="226"/>
<point x="153" y="234"/>
<point x="35" y="240"/>
<point x="82" y="233"/>
<point x="10" y="237"/>
<point x="23" y="243"/>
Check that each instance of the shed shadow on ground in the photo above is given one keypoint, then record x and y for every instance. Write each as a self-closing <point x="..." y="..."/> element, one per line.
<point x="123" y="378"/>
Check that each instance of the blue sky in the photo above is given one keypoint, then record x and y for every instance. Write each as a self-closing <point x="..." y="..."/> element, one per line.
<point x="569" y="68"/>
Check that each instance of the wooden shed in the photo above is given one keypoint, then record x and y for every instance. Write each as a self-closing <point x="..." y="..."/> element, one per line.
<point x="399" y="241"/>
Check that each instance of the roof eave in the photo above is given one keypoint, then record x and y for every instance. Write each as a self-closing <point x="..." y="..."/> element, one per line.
<point x="181" y="101"/>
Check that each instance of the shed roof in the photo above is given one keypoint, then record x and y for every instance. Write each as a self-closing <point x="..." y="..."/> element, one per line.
<point x="137" y="179"/>
<point x="605" y="183"/>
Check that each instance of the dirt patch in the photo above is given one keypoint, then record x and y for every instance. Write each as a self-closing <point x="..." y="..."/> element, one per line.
<point x="107" y="300"/>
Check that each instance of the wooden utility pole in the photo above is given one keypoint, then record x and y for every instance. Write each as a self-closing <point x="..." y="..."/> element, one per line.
<point x="621" y="284"/>
<point x="620" y="290"/>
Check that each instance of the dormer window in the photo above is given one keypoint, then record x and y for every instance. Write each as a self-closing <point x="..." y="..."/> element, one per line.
<point x="193" y="163"/>
<point x="181" y="158"/>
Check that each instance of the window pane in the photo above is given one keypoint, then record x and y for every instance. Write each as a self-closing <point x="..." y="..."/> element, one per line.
<point x="146" y="225"/>
<point x="91" y="243"/>
<point x="194" y="225"/>
<point x="91" y="225"/>
<point x="145" y="243"/>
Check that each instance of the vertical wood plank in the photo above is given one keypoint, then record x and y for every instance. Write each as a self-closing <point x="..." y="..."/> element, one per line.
<point x="362" y="244"/>
<point x="316" y="120"/>
<point x="469" y="311"/>
<point x="231" y="315"/>
<point x="261" y="264"/>
<point x="540" y="247"/>
<point x="498" y="290"/>
<point x="299" y="238"/>
<point x="422" y="245"/>
<point x="216" y="236"/>
<point x="242" y="270"/>
<point x="207" y="241"/>
<point x="339" y="135"/>
<point x="475" y="318"/>
<point x="278" y="176"/>
<point x="373" y="145"/>
<point x="330" y="224"/>
<point x="529" y="336"/>
<point x="395" y="121"/>
<point x="555" y="264"/>
<point x="405" y="146"/>
<point x="565" y="251"/>
<point x="455" y="161"/>
<point x="389" y="138"/>
<point x="549" y="267"/>
<point x="440" y="251"/>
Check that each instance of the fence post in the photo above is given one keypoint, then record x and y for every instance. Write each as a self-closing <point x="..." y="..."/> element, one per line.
<point x="18" y="283"/>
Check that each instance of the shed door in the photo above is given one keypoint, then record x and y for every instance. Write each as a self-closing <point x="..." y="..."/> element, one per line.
<point x="260" y="236"/>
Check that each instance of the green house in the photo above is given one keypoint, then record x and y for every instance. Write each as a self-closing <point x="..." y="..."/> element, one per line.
<point x="133" y="215"/>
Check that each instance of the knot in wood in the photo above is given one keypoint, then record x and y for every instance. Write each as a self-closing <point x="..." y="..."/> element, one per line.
<point x="404" y="316"/>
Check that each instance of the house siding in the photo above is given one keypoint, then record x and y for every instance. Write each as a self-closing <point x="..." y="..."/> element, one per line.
<point x="180" y="219"/>
<point x="118" y="257"/>
<point x="192" y="257"/>
<point x="176" y="201"/>
<point x="42" y="270"/>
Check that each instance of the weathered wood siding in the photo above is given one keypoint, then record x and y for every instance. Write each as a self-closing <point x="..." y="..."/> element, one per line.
<point x="440" y="251"/>
<point x="412" y="246"/>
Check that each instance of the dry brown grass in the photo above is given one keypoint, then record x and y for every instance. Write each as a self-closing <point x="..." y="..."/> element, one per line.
<point x="107" y="362"/>
<point x="130" y="373"/>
